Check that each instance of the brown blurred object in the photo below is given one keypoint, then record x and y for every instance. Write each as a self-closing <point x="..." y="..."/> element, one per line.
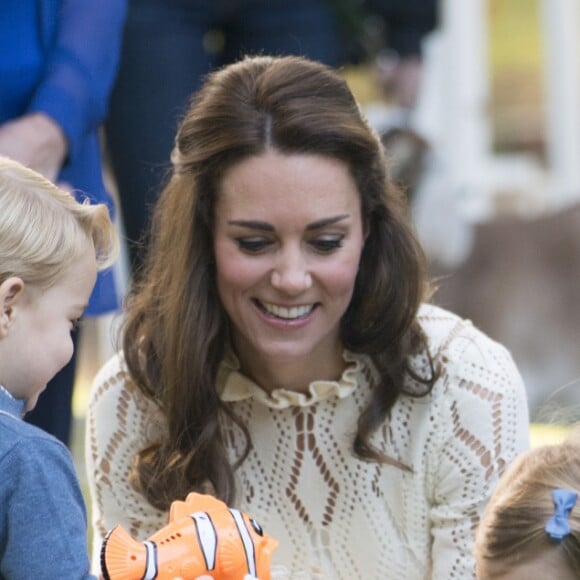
<point x="407" y="155"/>
<point x="521" y="285"/>
<point x="399" y="79"/>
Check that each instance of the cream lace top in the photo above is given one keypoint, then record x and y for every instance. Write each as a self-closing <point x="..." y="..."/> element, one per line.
<point x="336" y="516"/>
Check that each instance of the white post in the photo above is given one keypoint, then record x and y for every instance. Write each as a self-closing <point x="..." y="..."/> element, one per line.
<point x="467" y="86"/>
<point x="561" y="26"/>
<point x="453" y="111"/>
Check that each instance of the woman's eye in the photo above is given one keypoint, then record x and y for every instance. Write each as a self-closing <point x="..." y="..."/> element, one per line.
<point x="325" y="245"/>
<point x="74" y="324"/>
<point x="252" y="245"/>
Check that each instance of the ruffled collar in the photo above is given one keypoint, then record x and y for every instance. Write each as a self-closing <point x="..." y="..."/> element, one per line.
<point x="234" y="386"/>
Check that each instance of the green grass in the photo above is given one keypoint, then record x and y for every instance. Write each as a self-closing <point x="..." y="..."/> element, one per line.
<point x="544" y="434"/>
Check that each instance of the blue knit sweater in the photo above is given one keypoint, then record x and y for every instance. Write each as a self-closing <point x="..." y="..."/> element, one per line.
<point x="42" y="512"/>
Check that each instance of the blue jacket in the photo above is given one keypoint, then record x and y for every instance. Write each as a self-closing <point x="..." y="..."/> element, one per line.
<point x="60" y="57"/>
<point x="43" y="519"/>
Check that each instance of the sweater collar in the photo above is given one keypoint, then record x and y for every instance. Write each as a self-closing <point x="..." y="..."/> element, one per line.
<point x="10" y="405"/>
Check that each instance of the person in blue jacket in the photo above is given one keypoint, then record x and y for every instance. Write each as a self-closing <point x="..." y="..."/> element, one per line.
<point x="58" y="61"/>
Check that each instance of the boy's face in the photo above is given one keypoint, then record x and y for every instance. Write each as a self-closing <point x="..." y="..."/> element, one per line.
<point x="38" y="342"/>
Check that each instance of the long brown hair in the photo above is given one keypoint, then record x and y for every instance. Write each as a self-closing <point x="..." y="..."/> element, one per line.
<point x="176" y="329"/>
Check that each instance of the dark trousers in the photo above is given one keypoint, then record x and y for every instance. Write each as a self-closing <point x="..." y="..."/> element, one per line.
<point x="169" y="45"/>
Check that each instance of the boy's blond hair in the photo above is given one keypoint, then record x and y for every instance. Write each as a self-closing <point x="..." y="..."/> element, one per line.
<point x="43" y="228"/>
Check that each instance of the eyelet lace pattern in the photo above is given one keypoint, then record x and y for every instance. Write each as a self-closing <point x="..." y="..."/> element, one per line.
<point x="336" y="516"/>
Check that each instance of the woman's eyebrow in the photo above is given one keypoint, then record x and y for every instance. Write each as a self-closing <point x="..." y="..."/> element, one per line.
<point x="266" y="227"/>
<point x="326" y="222"/>
<point x="252" y="224"/>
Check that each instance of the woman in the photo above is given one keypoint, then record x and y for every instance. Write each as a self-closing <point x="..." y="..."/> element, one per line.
<point x="276" y="351"/>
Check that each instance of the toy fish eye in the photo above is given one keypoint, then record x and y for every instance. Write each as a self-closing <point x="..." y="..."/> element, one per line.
<point x="257" y="527"/>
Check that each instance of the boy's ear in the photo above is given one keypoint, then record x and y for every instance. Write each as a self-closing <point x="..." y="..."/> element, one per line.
<point x="11" y="291"/>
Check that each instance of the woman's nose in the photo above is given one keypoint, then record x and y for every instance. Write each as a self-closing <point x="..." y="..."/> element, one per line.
<point x="291" y="274"/>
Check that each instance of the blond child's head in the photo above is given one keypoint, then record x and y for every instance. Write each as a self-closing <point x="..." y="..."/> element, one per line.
<point x="43" y="228"/>
<point x="531" y="526"/>
<point x="51" y="247"/>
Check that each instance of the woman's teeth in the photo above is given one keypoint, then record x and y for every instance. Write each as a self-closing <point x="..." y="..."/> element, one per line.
<point x="287" y="313"/>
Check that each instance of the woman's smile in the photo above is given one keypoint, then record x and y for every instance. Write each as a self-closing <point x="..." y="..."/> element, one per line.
<point x="289" y="313"/>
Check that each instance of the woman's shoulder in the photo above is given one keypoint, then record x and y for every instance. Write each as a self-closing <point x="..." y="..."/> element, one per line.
<point x="448" y="333"/>
<point x="119" y="415"/>
<point x="466" y="355"/>
<point x="113" y="389"/>
<point x="113" y="376"/>
<point x="478" y="404"/>
<point x="439" y="324"/>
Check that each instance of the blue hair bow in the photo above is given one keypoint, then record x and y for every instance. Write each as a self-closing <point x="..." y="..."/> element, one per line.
<point x="558" y="527"/>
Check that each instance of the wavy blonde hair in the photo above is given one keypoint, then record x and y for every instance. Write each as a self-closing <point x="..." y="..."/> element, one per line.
<point x="512" y="529"/>
<point x="43" y="228"/>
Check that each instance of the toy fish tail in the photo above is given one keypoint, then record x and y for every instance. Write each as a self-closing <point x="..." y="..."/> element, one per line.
<point x="124" y="558"/>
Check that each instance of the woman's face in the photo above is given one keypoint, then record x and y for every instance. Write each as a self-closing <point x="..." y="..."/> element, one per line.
<point x="288" y="240"/>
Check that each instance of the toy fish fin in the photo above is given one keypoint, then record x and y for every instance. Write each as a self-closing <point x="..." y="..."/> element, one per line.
<point x="270" y="544"/>
<point x="265" y="549"/>
<point x="122" y="557"/>
<point x="194" y="502"/>
<point x="233" y="561"/>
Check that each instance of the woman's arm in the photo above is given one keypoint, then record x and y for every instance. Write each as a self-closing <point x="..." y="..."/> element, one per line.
<point x="483" y="425"/>
<point x="81" y="67"/>
<point x="119" y="422"/>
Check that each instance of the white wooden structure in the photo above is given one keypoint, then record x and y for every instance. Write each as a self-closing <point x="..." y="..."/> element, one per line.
<point x="454" y="106"/>
<point x="561" y="30"/>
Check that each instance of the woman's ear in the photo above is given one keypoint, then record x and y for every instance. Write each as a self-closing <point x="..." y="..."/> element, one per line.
<point x="11" y="291"/>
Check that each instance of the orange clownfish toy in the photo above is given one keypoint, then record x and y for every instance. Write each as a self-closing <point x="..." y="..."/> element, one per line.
<point x="203" y="539"/>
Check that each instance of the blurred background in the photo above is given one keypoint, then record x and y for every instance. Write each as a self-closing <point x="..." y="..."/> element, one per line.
<point x="489" y="156"/>
<point x="496" y="194"/>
